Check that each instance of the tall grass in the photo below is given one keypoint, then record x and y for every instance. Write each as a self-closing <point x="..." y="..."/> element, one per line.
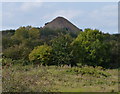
<point x="30" y="78"/>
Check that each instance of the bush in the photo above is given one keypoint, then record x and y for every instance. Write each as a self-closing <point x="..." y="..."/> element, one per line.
<point x="17" y="52"/>
<point x="41" y="55"/>
<point x="97" y="72"/>
<point x="91" y="48"/>
<point x="62" y="52"/>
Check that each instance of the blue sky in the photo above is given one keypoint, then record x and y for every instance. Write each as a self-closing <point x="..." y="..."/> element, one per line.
<point x="99" y="15"/>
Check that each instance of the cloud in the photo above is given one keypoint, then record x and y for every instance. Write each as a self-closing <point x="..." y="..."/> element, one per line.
<point x="106" y="11"/>
<point x="21" y="0"/>
<point x="102" y="17"/>
<point x="105" y="17"/>
<point x="69" y="14"/>
<point x="28" y="6"/>
<point x="60" y="0"/>
<point x="14" y="9"/>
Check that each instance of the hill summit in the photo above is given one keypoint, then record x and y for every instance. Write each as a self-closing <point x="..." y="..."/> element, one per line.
<point x="62" y="23"/>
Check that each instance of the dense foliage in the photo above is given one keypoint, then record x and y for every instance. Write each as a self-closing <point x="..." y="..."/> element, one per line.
<point x="59" y="47"/>
<point x="61" y="53"/>
<point x="41" y="55"/>
<point x="90" y="48"/>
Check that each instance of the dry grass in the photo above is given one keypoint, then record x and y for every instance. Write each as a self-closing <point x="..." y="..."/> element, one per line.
<point x="58" y="79"/>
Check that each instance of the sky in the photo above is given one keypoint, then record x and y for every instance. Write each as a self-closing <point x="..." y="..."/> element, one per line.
<point x="94" y="15"/>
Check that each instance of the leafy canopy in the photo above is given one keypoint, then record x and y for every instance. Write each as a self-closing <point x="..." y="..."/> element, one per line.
<point x="40" y="54"/>
<point x="90" y="48"/>
<point x="61" y="53"/>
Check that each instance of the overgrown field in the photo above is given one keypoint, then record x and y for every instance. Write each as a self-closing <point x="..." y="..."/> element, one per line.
<point x="59" y="79"/>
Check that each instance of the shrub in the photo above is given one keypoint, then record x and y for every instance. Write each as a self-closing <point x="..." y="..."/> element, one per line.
<point x="90" y="48"/>
<point x="62" y="52"/>
<point x="97" y="72"/>
<point x="40" y="54"/>
<point x="17" y="52"/>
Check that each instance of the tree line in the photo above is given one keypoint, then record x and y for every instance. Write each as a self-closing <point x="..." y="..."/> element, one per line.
<point x="30" y="45"/>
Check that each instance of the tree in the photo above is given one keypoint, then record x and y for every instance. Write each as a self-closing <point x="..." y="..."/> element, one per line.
<point x="115" y="50"/>
<point x="26" y="33"/>
<point x="40" y="55"/>
<point x="61" y="53"/>
<point x="6" y="38"/>
<point x="17" y="52"/>
<point x="90" y="48"/>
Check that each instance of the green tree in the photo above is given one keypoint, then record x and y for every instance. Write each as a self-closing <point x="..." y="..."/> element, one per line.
<point x="6" y="38"/>
<point x="26" y="33"/>
<point x="40" y="55"/>
<point x="21" y="34"/>
<point x="61" y="53"/>
<point x="17" y="52"/>
<point x="21" y="43"/>
<point x="115" y="50"/>
<point x="91" y="48"/>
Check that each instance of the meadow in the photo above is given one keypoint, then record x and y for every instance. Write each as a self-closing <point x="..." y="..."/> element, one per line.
<point x="31" y="78"/>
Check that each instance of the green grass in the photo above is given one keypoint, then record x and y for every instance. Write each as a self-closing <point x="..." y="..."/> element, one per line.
<point x="59" y="79"/>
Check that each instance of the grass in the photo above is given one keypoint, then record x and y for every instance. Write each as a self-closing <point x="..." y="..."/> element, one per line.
<point x="59" y="79"/>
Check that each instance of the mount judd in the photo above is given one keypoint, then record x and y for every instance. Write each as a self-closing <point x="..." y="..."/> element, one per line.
<point x="63" y="24"/>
